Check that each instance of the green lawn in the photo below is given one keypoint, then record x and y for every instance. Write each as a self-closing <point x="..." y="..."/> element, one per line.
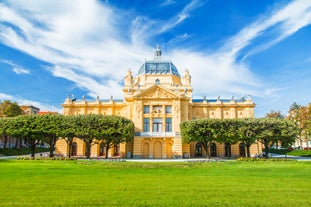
<point x="95" y="183"/>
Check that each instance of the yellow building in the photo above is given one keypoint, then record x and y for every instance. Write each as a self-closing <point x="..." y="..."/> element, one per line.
<point x="157" y="100"/>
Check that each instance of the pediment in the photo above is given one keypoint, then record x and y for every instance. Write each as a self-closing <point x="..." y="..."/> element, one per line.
<point x="158" y="92"/>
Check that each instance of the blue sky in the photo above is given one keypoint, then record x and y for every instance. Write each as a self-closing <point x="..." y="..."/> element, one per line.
<point x="49" y="49"/>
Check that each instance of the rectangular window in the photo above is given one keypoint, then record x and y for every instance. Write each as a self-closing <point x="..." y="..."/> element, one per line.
<point x="157" y="125"/>
<point x="146" y="109"/>
<point x="146" y="125"/>
<point x="168" y="109"/>
<point x="168" y="125"/>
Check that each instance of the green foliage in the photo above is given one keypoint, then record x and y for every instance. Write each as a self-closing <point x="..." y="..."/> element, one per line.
<point x="111" y="130"/>
<point x="9" y="109"/>
<point x="21" y="151"/>
<point x="265" y="130"/>
<point x="301" y="153"/>
<point x="279" y="151"/>
<point x="92" y="183"/>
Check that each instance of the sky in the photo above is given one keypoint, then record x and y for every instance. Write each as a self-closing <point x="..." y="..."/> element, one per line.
<point x="49" y="49"/>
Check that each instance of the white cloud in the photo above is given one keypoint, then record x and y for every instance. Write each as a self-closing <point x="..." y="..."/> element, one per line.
<point x="93" y="45"/>
<point x="20" y="71"/>
<point x="21" y="101"/>
<point x="168" y="3"/>
<point x="16" y="68"/>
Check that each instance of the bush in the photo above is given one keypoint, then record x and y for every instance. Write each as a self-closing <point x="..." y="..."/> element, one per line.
<point x="20" y="151"/>
<point x="301" y="153"/>
<point x="253" y="159"/>
<point x="280" y="151"/>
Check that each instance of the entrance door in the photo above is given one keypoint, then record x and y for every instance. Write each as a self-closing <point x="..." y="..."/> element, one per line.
<point x="157" y="150"/>
<point x="198" y="150"/>
<point x="146" y="150"/>
<point x="213" y="150"/>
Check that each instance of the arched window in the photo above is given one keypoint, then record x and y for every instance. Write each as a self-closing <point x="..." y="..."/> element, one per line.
<point x="117" y="150"/>
<point x="74" y="149"/>
<point x="101" y="150"/>
<point x="227" y="149"/>
<point x="213" y="150"/>
<point x="198" y="150"/>
<point x="242" y="149"/>
<point x="157" y="81"/>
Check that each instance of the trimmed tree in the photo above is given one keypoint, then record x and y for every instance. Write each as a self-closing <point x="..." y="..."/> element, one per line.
<point x="203" y="131"/>
<point x="113" y="130"/>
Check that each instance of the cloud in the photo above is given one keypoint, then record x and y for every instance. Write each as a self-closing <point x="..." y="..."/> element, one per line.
<point x="20" y="71"/>
<point x="16" y="68"/>
<point x="21" y="101"/>
<point x="167" y="3"/>
<point x="93" y="44"/>
<point x="181" y="16"/>
<point x="286" y="20"/>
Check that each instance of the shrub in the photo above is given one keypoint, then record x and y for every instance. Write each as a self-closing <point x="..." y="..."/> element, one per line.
<point x="301" y="153"/>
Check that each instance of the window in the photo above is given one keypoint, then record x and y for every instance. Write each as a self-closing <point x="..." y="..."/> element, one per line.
<point x="227" y="149"/>
<point x="146" y="109"/>
<point x="168" y="125"/>
<point x="157" y="81"/>
<point x="146" y="125"/>
<point x="168" y="109"/>
<point x="157" y="125"/>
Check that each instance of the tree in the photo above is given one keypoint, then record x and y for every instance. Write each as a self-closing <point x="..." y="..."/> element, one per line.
<point x="273" y="130"/>
<point x="113" y="130"/>
<point x="247" y="132"/>
<point x="86" y="127"/>
<point x="299" y="115"/>
<point x="4" y="126"/>
<point x="67" y="131"/>
<point x="26" y="127"/>
<point x="10" y="109"/>
<point x="49" y="128"/>
<point x="274" y="114"/>
<point x="200" y="130"/>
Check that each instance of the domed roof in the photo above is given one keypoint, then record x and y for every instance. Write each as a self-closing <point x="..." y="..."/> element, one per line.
<point x="158" y="66"/>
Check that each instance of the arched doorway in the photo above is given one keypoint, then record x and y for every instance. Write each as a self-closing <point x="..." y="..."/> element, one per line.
<point x="157" y="150"/>
<point x="146" y="150"/>
<point x="74" y="149"/>
<point x="227" y="149"/>
<point x="198" y="150"/>
<point x="213" y="149"/>
<point x="242" y="149"/>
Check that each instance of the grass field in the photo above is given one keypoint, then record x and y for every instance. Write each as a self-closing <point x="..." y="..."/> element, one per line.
<point x="95" y="183"/>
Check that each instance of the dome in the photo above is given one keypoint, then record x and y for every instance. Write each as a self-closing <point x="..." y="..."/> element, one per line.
<point x="158" y="66"/>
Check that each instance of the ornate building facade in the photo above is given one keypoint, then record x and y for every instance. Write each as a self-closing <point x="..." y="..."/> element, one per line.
<point x="157" y="100"/>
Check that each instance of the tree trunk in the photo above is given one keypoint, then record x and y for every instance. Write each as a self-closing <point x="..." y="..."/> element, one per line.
<point x="248" y="150"/>
<point x="69" y="149"/>
<point x="206" y="147"/>
<point x="106" y="153"/>
<point x="32" y="148"/>
<point x="52" y="146"/>
<point x="266" y="149"/>
<point x="5" y="141"/>
<point x="88" y="150"/>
